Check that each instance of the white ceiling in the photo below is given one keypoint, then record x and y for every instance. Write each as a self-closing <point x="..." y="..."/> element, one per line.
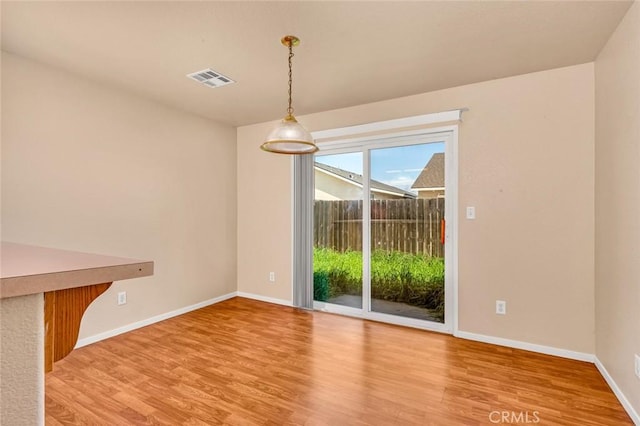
<point x="351" y="52"/>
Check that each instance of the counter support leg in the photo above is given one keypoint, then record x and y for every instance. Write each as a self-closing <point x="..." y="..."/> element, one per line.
<point x="63" y="311"/>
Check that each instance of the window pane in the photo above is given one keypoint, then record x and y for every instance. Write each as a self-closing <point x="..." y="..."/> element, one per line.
<point x="337" y="258"/>
<point x="407" y="213"/>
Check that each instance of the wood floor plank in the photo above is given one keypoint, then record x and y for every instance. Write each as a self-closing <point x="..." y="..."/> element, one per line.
<point x="244" y="362"/>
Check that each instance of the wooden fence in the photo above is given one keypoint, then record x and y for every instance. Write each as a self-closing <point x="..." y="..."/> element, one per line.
<point x="410" y="226"/>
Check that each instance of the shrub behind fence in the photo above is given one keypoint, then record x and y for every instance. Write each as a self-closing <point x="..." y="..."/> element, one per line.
<point x="405" y="225"/>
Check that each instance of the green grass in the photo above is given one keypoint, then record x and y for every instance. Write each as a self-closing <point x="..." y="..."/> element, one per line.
<point x="395" y="276"/>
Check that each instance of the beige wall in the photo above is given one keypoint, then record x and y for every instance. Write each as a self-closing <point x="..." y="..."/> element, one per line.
<point x="329" y="187"/>
<point x="264" y="217"/>
<point x="526" y="157"/>
<point x="384" y="196"/>
<point x="86" y="167"/>
<point x="431" y="194"/>
<point x="617" y="254"/>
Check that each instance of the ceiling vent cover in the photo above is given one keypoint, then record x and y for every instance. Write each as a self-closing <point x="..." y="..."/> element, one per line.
<point x="210" y="78"/>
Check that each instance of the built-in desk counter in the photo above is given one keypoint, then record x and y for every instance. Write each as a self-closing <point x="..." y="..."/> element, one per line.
<point x="43" y="295"/>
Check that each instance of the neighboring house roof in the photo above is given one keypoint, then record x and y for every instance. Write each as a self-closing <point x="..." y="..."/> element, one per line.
<point x="357" y="180"/>
<point x="432" y="176"/>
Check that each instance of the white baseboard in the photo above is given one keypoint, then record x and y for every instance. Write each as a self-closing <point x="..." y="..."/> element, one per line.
<point x="138" y="324"/>
<point x="635" y="418"/>
<point x="548" y="350"/>
<point x="265" y="298"/>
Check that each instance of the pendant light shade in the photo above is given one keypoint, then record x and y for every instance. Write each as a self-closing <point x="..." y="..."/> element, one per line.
<point x="289" y="136"/>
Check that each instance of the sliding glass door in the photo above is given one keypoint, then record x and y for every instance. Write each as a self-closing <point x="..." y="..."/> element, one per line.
<point x="381" y="248"/>
<point x="407" y="248"/>
<point x="337" y="233"/>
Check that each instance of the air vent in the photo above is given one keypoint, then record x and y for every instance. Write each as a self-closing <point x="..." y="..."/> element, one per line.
<point x="210" y="78"/>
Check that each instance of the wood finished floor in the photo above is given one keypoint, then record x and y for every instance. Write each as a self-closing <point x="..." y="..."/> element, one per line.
<point x="246" y="362"/>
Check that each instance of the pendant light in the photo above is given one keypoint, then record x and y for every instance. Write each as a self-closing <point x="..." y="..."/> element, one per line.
<point x="289" y="137"/>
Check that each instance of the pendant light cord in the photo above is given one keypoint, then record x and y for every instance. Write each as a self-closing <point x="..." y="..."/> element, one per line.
<point x="290" y="109"/>
<point x="289" y="136"/>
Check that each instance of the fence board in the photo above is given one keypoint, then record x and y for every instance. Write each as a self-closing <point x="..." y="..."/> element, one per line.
<point x="411" y="226"/>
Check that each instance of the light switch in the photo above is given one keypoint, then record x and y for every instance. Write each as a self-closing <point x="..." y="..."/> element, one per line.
<point x="471" y="212"/>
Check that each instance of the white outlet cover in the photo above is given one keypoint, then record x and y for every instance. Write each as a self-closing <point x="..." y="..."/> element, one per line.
<point x="637" y="365"/>
<point x="501" y="307"/>
<point x="471" y="212"/>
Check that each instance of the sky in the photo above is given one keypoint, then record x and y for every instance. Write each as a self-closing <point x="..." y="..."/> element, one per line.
<point x="397" y="166"/>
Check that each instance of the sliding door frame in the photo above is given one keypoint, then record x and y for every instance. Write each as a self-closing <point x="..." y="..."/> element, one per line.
<point x="342" y="143"/>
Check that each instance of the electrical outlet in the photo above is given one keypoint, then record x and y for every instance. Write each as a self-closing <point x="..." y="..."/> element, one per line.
<point x="471" y="212"/>
<point x="272" y="277"/>
<point x="122" y="298"/>
<point x="637" y="364"/>
<point x="501" y="307"/>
